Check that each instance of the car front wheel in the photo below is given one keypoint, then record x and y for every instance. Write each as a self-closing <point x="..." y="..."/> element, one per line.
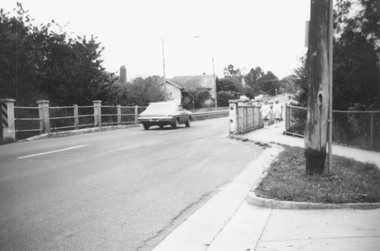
<point x="175" y="124"/>
<point x="146" y="127"/>
<point x="187" y="123"/>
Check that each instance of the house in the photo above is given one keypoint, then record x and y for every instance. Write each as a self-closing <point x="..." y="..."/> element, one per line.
<point x="171" y="91"/>
<point x="177" y="88"/>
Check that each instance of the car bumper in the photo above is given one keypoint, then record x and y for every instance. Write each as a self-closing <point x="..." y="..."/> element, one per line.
<point x="156" y="121"/>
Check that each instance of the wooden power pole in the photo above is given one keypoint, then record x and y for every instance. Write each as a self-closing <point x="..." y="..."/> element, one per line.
<point x="316" y="131"/>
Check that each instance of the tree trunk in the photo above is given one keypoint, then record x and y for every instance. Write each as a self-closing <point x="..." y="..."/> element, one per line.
<point x="316" y="130"/>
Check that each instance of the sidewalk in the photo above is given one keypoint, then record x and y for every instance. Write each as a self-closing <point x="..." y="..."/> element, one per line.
<point x="228" y="222"/>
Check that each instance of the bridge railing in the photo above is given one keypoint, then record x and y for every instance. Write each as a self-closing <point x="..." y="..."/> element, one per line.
<point x="19" y="122"/>
<point x="246" y="116"/>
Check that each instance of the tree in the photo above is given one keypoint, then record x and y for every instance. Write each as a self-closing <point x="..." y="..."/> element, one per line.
<point x="224" y="97"/>
<point x="73" y="74"/>
<point x="36" y="62"/>
<point x="143" y="91"/>
<point x="20" y="57"/>
<point x="288" y="85"/>
<point x="253" y="76"/>
<point x="268" y="84"/>
<point x="356" y="74"/>
<point x="230" y="71"/>
<point x="357" y="55"/>
<point x="301" y="78"/>
<point x="225" y="84"/>
<point x="197" y="98"/>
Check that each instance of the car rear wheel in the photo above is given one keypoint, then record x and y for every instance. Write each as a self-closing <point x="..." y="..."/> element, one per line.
<point x="187" y="123"/>
<point x="146" y="127"/>
<point x="175" y="124"/>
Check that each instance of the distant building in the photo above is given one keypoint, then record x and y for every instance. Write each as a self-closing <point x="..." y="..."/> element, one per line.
<point x="178" y="87"/>
<point x="123" y="75"/>
<point x="172" y="91"/>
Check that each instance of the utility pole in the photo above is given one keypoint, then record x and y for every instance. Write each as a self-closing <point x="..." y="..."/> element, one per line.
<point x="320" y="77"/>
<point x="163" y="57"/>
<point x="331" y="40"/>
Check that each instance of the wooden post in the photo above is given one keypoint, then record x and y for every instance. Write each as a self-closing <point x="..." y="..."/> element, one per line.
<point x="316" y="131"/>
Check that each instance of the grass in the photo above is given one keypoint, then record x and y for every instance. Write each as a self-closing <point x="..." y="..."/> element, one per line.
<point x="349" y="181"/>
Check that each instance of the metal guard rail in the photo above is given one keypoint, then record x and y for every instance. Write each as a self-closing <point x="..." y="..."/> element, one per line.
<point x="210" y="114"/>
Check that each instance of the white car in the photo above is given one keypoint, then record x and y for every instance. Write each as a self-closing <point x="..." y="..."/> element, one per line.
<point x="164" y="113"/>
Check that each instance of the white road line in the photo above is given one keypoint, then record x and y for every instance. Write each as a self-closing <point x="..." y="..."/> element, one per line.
<point x="60" y="150"/>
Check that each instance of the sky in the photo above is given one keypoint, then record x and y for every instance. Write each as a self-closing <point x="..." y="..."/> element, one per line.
<point x="191" y="33"/>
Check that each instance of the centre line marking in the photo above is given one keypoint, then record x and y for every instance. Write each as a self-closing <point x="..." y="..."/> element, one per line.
<point x="61" y="150"/>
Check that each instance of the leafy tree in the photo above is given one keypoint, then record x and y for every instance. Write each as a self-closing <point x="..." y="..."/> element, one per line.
<point x="230" y="71"/>
<point x="301" y="78"/>
<point x="253" y="76"/>
<point x="225" y="84"/>
<point x="197" y="98"/>
<point x="268" y="84"/>
<point x="36" y="63"/>
<point x="225" y="96"/>
<point x="20" y="58"/>
<point x="287" y="84"/>
<point x="227" y="89"/>
<point x="73" y="74"/>
<point x="143" y="91"/>
<point x="356" y="55"/>
<point x="356" y="73"/>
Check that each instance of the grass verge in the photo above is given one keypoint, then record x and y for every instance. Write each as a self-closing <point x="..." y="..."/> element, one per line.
<point x="350" y="181"/>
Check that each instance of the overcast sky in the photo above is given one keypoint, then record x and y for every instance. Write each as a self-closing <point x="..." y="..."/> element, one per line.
<point x="245" y="33"/>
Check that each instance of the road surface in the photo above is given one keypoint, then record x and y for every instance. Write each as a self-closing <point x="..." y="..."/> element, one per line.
<point x="116" y="190"/>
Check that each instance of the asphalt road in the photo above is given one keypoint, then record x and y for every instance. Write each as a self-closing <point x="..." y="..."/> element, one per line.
<point x="117" y="190"/>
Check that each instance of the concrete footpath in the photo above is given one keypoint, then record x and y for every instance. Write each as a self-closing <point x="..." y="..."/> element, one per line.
<point x="229" y="222"/>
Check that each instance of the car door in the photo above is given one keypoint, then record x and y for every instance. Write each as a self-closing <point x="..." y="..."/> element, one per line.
<point x="181" y="114"/>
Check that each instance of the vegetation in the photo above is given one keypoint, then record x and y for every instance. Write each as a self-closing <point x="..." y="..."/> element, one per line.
<point x="38" y="62"/>
<point x="350" y="181"/>
<point x="254" y="83"/>
<point x="356" y="74"/>
<point x="43" y="62"/>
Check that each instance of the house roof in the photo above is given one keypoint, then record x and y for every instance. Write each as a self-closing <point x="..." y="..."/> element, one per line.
<point x="194" y="82"/>
<point x="171" y="83"/>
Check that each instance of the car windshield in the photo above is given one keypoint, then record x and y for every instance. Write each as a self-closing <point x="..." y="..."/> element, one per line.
<point x="161" y="107"/>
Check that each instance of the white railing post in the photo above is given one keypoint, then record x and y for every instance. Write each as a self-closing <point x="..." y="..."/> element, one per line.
<point x="7" y="108"/>
<point x="371" y="128"/>
<point x="136" y="113"/>
<point x="287" y="117"/>
<point x="97" y="113"/>
<point x="76" y="117"/>
<point x="233" y="117"/>
<point x="43" y="111"/>
<point x="118" y="107"/>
